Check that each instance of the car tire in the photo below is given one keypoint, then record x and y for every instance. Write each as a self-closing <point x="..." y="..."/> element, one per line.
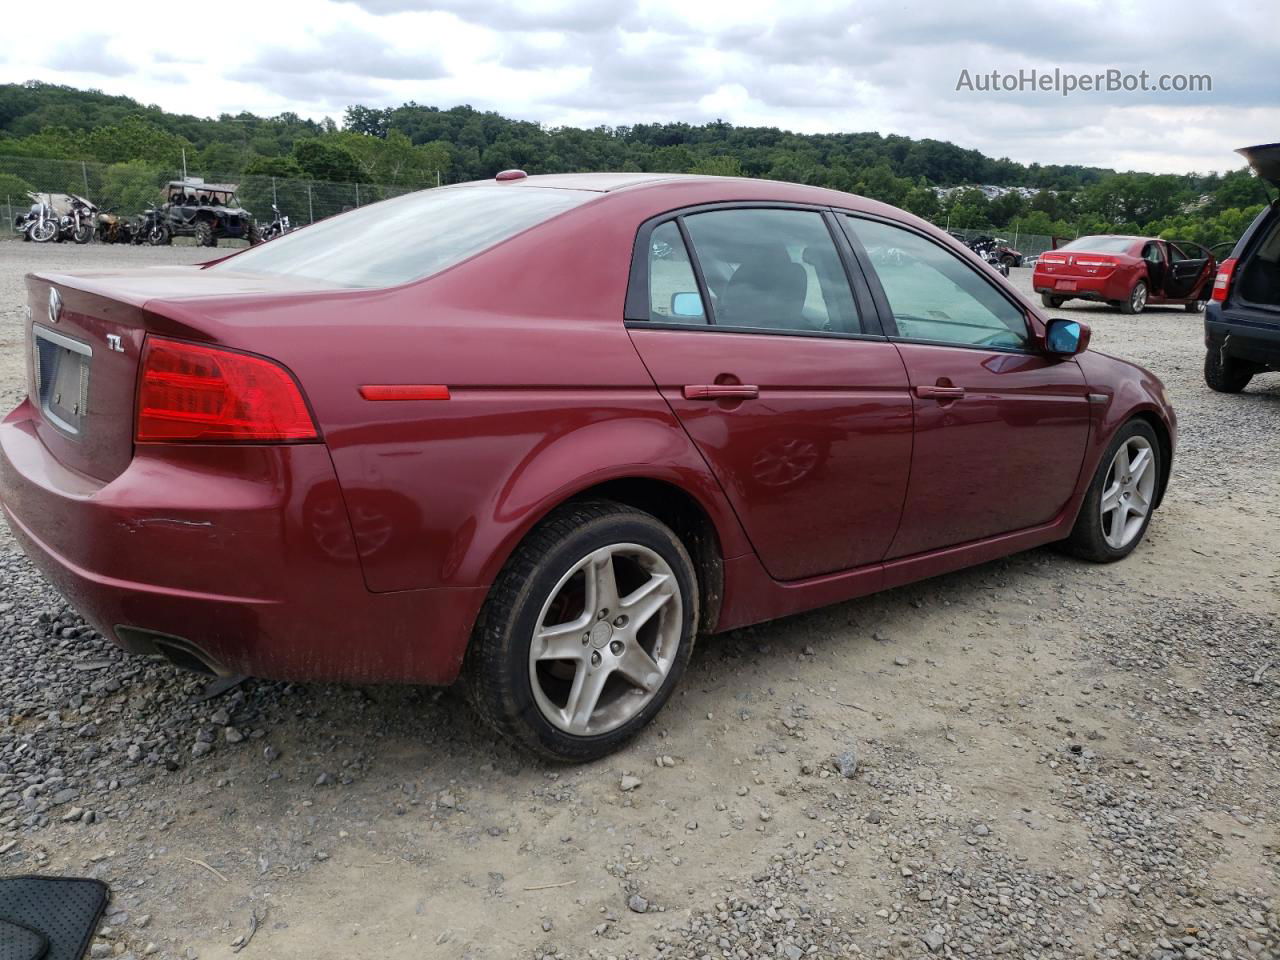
<point x="204" y="235"/>
<point x="1225" y="374"/>
<point x="1195" y="306"/>
<point x="1137" y="301"/>
<point x="1052" y="302"/>
<point x="559" y="571"/>
<point x="1096" y="536"/>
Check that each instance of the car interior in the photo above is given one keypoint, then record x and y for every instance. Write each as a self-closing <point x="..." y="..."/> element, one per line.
<point x="1260" y="280"/>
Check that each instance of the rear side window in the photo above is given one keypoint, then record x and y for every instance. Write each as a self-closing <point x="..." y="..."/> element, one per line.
<point x="1099" y="244"/>
<point x="673" y="289"/>
<point x="772" y="269"/>
<point x="409" y="237"/>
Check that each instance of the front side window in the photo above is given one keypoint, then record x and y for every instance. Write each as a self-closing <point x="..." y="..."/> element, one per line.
<point x="409" y="237"/>
<point x="1151" y="253"/>
<point x="772" y="269"/>
<point x="934" y="295"/>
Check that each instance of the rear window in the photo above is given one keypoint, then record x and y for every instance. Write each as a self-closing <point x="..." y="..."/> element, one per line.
<point x="409" y="237"/>
<point x="1099" y="244"/>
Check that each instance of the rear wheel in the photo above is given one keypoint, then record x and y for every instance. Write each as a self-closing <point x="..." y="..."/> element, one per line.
<point x="1137" y="301"/>
<point x="1050" y="301"/>
<point x="1225" y="374"/>
<point x="1117" y="508"/>
<point x="585" y="633"/>
<point x="1009" y="260"/>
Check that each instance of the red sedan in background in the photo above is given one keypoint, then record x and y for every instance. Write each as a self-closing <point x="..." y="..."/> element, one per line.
<point x="543" y="431"/>
<point x="1130" y="273"/>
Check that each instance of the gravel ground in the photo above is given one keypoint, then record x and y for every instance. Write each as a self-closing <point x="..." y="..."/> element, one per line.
<point x="1034" y="758"/>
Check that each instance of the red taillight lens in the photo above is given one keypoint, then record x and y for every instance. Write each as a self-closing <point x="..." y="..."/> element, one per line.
<point x="1222" y="282"/>
<point x="193" y="393"/>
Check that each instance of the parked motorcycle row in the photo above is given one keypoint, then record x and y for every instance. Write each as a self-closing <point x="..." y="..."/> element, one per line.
<point x="66" y="217"/>
<point x="57" y="217"/>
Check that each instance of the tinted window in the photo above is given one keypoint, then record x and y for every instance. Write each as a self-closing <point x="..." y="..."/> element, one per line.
<point x="407" y="238"/>
<point x="673" y="291"/>
<point x="1151" y="253"/>
<point x="934" y="295"/>
<point x="773" y="269"/>
<point x="1099" y="244"/>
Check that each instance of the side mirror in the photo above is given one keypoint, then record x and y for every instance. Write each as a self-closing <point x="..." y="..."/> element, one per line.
<point x="1066" y="338"/>
<point x="686" y="305"/>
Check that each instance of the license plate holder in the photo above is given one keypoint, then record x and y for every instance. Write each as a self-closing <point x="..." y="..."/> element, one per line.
<point x="1066" y="284"/>
<point x="62" y="378"/>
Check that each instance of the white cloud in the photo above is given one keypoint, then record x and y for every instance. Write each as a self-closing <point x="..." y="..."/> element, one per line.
<point x="816" y="67"/>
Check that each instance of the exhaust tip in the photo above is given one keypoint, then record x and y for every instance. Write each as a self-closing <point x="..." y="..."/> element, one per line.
<point x="176" y="651"/>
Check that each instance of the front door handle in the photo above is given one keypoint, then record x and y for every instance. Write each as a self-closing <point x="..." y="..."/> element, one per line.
<point x="927" y="392"/>
<point x="721" y="391"/>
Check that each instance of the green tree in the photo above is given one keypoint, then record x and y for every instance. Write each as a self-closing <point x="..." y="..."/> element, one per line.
<point x="323" y="160"/>
<point x="717" y="166"/>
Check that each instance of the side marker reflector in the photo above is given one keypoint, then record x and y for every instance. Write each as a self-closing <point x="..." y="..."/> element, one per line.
<point x="404" y="391"/>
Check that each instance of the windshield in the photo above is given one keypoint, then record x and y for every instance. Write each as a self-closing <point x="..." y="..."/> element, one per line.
<point x="1099" y="244"/>
<point x="409" y="237"/>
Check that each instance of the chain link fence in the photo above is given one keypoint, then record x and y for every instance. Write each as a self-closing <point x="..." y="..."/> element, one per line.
<point x="129" y="188"/>
<point x="1027" y="244"/>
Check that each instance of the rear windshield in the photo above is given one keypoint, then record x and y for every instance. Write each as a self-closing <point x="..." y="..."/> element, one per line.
<point x="409" y="237"/>
<point x="1099" y="244"/>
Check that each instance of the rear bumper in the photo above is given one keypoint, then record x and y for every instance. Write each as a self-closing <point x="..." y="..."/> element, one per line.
<point x="242" y="556"/>
<point x="1255" y="340"/>
<point x="1111" y="287"/>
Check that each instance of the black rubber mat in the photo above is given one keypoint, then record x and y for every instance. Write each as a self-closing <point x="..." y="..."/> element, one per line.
<point x="66" y="910"/>
<point x="21" y="943"/>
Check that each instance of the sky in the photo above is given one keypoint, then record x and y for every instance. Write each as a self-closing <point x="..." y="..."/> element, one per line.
<point x="808" y="66"/>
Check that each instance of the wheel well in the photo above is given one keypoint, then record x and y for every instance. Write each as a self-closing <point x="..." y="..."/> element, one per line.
<point x="1166" y="449"/>
<point x="688" y="520"/>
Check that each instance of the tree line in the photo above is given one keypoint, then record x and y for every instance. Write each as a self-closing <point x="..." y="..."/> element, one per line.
<point x="416" y="146"/>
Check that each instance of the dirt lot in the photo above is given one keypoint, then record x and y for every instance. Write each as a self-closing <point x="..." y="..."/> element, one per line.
<point x="1053" y="759"/>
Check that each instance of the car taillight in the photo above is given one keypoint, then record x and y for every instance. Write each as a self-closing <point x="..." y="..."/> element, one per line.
<point x="203" y="394"/>
<point x="1222" y="282"/>
<point x="1096" y="262"/>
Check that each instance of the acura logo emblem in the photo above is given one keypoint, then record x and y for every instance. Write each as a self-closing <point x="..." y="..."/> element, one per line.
<point x="55" y="305"/>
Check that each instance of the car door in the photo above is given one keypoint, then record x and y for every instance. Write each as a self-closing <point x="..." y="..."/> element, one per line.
<point x="779" y="372"/>
<point x="1189" y="272"/>
<point x="1155" y="255"/>
<point x="1000" y="428"/>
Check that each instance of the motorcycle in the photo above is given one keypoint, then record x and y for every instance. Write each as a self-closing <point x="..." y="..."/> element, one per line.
<point x="278" y="226"/>
<point x="988" y="248"/>
<point x="39" y="224"/>
<point x="77" y="223"/>
<point x="152" y="227"/>
<point x="113" y="229"/>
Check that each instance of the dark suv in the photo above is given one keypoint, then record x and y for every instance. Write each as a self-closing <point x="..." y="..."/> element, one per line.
<point x="1242" y="319"/>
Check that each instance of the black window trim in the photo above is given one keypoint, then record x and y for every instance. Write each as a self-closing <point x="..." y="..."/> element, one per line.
<point x="887" y="321"/>
<point x="636" y="312"/>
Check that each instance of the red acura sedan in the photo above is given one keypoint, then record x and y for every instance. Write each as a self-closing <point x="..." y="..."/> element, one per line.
<point x="541" y="432"/>
<point x="1129" y="273"/>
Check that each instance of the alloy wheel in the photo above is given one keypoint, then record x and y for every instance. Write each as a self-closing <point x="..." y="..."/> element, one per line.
<point x="1128" y="492"/>
<point x="607" y="637"/>
<point x="1138" y="299"/>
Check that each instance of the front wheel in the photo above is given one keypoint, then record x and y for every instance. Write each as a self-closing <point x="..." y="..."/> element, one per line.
<point x="1137" y="299"/>
<point x="1195" y="306"/>
<point x="1225" y="374"/>
<point x="1117" y="507"/>
<point x="159" y="236"/>
<point x="585" y="632"/>
<point x="84" y="234"/>
<point x="43" y="231"/>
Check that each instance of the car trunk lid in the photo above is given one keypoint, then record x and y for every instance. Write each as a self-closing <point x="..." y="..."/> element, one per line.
<point x="85" y="336"/>
<point x="1265" y="161"/>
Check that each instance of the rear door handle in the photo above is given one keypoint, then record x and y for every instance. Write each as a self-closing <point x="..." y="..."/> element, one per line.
<point x="927" y="392"/>
<point x="721" y="391"/>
